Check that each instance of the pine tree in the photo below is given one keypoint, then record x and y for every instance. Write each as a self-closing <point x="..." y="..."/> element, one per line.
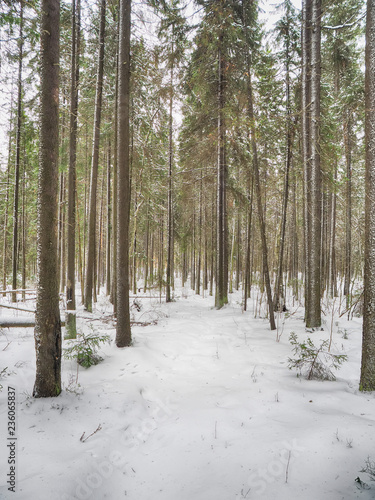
<point x="47" y="318"/>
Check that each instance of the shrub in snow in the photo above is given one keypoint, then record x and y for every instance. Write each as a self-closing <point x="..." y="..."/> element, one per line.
<point x="84" y="350"/>
<point x="314" y="362"/>
<point x="3" y="373"/>
<point x="369" y="468"/>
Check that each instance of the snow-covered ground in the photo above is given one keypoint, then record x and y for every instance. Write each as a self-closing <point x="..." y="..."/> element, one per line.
<point x="201" y="407"/>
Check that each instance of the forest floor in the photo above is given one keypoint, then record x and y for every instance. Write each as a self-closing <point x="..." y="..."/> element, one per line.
<point x="201" y="407"/>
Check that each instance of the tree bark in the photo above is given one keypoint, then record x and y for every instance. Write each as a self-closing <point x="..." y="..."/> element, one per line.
<point x="123" y="331"/>
<point x="311" y="155"/>
<point x="367" y="382"/>
<point x="47" y="318"/>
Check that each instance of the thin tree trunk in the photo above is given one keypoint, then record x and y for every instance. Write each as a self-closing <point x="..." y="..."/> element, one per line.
<point x="247" y="284"/>
<point x="348" y="214"/>
<point x="147" y="250"/>
<point x="221" y="295"/>
<point x="262" y="226"/>
<point x="289" y="152"/>
<point x="123" y="331"/>
<point x="90" y="264"/>
<point x="18" y="160"/>
<point x="114" y="197"/>
<point x="62" y="241"/>
<point x="47" y="317"/>
<point x="99" y="267"/>
<point x="24" y="234"/>
<point x="70" y="317"/>
<point x="6" y="214"/>
<point x="170" y="200"/>
<point x="109" y="224"/>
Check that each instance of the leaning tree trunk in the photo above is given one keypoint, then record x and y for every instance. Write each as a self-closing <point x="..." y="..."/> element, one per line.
<point x="90" y="264"/>
<point x="47" y="317"/>
<point x="123" y="331"/>
<point x="70" y="319"/>
<point x="262" y="225"/>
<point x="367" y="382"/>
<point x="254" y="149"/>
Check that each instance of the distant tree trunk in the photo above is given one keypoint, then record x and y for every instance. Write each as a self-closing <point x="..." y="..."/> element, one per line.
<point x="109" y="224"/>
<point x="5" y="231"/>
<point x="47" y="318"/>
<point x="99" y="266"/>
<point x="221" y="295"/>
<point x="123" y="331"/>
<point x="367" y="382"/>
<point x="24" y="233"/>
<point x="90" y="264"/>
<point x="289" y="152"/>
<point x="248" y="244"/>
<point x="147" y="249"/>
<point x="199" y="257"/>
<point x="348" y="219"/>
<point x="70" y="318"/>
<point x="170" y="200"/>
<point x="18" y="160"/>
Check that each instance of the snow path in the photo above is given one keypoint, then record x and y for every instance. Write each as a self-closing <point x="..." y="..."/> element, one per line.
<point x="202" y="407"/>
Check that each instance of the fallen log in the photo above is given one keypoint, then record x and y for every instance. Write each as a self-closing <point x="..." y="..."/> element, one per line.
<point x="21" y="323"/>
<point x="8" y="306"/>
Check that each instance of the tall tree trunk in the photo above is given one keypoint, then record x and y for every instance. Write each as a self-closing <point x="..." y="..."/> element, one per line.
<point x="248" y="243"/>
<point x="262" y="225"/>
<point x="90" y="264"/>
<point x="18" y="160"/>
<point x="170" y="200"/>
<point x="114" y="194"/>
<point x="311" y="137"/>
<point x="6" y="214"/>
<point x="306" y="143"/>
<point x="70" y="318"/>
<point x="123" y="331"/>
<point x="289" y="151"/>
<point x="367" y="382"/>
<point x="109" y="224"/>
<point x="348" y="214"/>
<point x="221" y="295"/>
<point x="24" y="233"/>
<point x="47" y="317"/>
